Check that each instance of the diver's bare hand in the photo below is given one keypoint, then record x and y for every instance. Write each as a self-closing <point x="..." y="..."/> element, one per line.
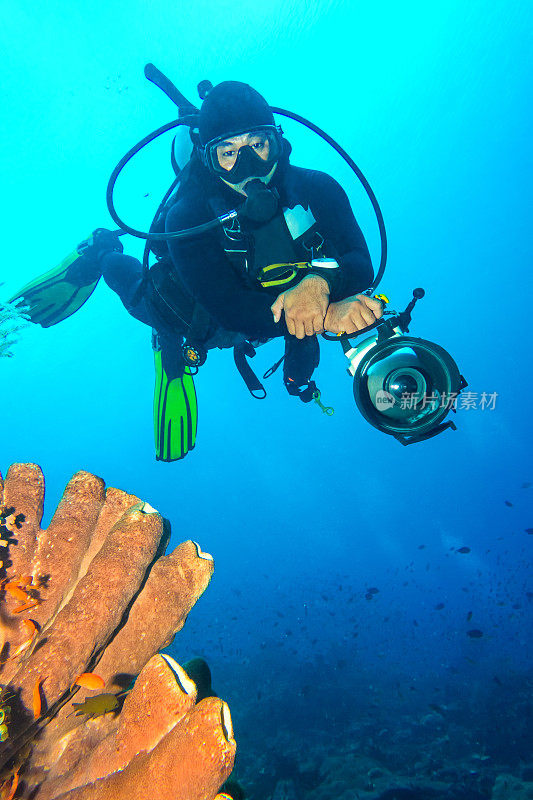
<point x="304" y="306"/>
<point x="352" y="314"/>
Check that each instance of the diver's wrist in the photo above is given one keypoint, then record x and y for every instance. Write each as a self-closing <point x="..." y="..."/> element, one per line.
<point x="319" y="281"/>
<point x="325" y="268"/>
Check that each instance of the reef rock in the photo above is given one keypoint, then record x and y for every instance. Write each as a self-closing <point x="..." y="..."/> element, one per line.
<point x="93" y="593"/>
<point x="507" y="787"/>
<point x="284" y="790"/>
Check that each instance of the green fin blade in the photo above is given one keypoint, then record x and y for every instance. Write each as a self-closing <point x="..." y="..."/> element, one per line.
<point x="175" y="413"/>
<point x="56" y="295"/>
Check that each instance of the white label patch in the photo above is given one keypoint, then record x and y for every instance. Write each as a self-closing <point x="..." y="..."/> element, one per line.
<point x="298" y="220"/>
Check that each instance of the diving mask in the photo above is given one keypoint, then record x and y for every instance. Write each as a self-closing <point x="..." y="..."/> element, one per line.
<point x="241" y="156"/>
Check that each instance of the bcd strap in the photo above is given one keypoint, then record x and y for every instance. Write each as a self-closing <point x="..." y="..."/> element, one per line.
<point x="308" y="393"/>
<point x="305" y="393"/>
<point x="273" y="368"/>
<point x="240" y="352"/>
<point x="279" y="274"/>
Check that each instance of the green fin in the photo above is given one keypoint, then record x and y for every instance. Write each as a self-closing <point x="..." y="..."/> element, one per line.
<point x="175" y="413"/>
<point x="59" y="293"/>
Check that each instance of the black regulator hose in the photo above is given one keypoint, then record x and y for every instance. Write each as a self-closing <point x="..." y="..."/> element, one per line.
<point x="198" y="229"/>
<point x="146" y="254"/>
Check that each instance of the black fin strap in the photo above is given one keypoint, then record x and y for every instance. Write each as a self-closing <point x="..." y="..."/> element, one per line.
<point x="240" y="351"/>
<point x="273" y="368"/>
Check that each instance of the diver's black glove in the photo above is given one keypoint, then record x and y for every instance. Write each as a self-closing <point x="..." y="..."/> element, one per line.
<point x="100" y="243"/>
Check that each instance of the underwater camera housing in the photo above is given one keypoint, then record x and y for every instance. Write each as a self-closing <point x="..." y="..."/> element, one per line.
<point x="402" y="385"/>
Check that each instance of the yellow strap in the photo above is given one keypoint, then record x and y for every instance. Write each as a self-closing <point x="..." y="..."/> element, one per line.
<point x="291" y="270"/>
<point x="288" y="264"/>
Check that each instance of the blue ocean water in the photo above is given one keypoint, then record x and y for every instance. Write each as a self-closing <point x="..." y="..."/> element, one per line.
<point x="302" y="512"/>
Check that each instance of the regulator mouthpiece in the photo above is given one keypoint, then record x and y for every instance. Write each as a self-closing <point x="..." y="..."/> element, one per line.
<point x="261" y="203"/>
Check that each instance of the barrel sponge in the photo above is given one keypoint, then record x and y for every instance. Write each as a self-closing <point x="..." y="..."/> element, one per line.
<point x="95" y="593"/>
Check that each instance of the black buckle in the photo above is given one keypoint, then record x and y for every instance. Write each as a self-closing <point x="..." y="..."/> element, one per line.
<point x="304" y="391"/>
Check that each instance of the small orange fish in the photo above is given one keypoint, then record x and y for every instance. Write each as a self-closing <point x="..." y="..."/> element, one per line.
<point x="16" y="592"/>
<point x="30" y="627"/>
<point x="89" y="680"/>
<point x="37" y="704"/>
<point x="10" y="523"/>
<point x="20" y="649"/>
<point x="31" y="630"/>
<point x="26" y="606"/>
<point x="14" y="786"/>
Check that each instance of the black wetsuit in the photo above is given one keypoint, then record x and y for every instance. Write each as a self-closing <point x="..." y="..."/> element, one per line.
<point x="227" y="288"/>
<point x="228" y="296"/>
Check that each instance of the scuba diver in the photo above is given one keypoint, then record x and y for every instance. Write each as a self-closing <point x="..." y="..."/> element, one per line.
<point x="248" y="248"/>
